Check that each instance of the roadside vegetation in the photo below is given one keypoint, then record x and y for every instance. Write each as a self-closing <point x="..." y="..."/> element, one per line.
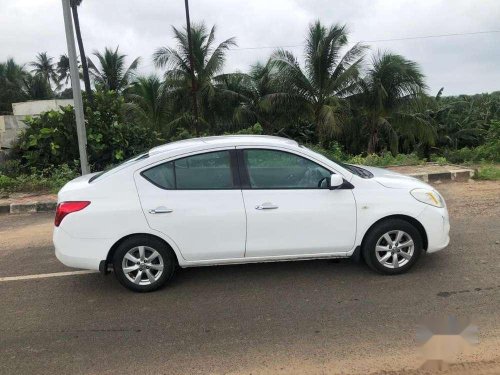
<point x="488" y="172"/>
<point x="350" y="104"/>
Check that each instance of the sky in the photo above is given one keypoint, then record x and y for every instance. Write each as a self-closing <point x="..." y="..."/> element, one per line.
<point x="465" y="64"/>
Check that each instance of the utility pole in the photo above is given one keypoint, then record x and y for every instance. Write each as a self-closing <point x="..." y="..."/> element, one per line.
<point x="85" y="69"/>
<point x="191" y="67"/>
<point x="77" y="91"/>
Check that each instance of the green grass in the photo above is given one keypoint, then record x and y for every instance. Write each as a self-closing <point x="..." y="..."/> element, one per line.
<point x="488" y="172"/>
<point x="38" y="181"/>
<point x="387" y="159"/>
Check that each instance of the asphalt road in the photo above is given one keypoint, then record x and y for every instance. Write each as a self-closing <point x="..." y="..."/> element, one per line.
<point x="296" y="317"/>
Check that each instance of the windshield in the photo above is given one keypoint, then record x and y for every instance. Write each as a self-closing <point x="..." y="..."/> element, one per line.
<point x="113" y="168"/>
<point x="321" y="156"/>
<point x="358" y="171"/>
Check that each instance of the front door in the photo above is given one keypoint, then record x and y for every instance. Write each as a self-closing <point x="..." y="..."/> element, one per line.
<point x="290" y="210"/>
<point x="196" y="201"/>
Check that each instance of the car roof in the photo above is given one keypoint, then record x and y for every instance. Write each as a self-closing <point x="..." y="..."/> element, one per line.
<point x="224" y="140"/>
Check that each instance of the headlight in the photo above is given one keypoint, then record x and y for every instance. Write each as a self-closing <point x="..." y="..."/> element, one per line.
<point x="428" y="197"/>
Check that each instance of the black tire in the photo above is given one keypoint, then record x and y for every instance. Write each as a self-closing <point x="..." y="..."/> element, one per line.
<point x="376" y="233"/>
<point x="167" y="256"/>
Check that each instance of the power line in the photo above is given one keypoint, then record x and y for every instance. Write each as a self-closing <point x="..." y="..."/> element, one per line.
<point x="376" y="40"/>
<point x="364" y="41"/>
<point x="432" y="36"/>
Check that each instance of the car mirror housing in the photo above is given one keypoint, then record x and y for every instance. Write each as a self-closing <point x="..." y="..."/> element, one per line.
<point x="336" y="181"/>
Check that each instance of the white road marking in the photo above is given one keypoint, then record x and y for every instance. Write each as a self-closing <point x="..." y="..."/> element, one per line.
<point x="45" y="275"/>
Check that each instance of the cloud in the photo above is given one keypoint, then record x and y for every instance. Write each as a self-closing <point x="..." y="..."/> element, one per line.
<point x="462" y="64"/>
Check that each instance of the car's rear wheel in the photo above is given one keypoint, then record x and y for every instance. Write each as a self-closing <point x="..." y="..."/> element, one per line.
<point x="392" y="246"/>
<point x="143" y="263"/>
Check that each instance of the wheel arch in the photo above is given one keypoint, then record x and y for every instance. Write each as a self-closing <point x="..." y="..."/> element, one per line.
<point x="409" y="219"/>
<point x="112" y="250"/>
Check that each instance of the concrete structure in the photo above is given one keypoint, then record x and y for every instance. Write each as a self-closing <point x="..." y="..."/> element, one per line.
<point x="35" y="107"/>
<point x="12" y="125"/>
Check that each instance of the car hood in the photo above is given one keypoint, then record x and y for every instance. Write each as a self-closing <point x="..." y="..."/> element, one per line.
<point x="393" y="180"/>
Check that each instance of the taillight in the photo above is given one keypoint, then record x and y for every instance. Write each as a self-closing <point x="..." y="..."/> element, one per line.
<point x="65" y="208"/>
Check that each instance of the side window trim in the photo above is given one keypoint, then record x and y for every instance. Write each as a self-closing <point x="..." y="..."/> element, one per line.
<point x="245" y="176"/>
<point x="235" y="172"/>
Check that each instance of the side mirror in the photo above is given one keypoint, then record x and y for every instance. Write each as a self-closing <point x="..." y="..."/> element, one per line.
<point x="336" y="181"/>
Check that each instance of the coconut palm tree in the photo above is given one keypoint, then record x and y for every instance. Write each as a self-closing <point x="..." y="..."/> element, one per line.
<point x="112" y="74"/>
<point x="85" y="69"/>
<point x="36" y="87"/>
<point x="330" y="75"/>
<point x="388" y="98"/>
<point x="11" y="84"/>
<point x="147" y="101"/>
<point x="207" y="60"/>
<point x="62" y="70"/>
<point x="45" y="67"/>
<point x="247" y="96"/>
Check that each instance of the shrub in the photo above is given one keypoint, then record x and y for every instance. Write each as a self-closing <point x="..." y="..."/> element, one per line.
<point x="386" y="160"/>
<point x="488" y="172"/>
<point x="489" y="151"/>
<point x="51" y="139"/>
<point x="441" y="160"/>
<point x="7" y="183"/>
<point x="10" y="168"/>
<point x="255" y="130"/>
<point x="333" y="152"/>
<point x="50" y="179"/>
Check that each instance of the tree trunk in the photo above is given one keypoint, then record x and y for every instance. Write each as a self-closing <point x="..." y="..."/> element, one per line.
<point x="373" y="141"/>
<point x="85" y="68"/>
<point x="191" y="68"/>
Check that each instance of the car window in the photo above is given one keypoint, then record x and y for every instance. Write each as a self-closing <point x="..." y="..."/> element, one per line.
<point x="270" y="169"/>
<point x="162" y="175"/>
<point x="198" y="172"/>
<point x="113" y="168"/>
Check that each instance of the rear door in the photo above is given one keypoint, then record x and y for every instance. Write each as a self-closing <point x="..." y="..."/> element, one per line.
<point x="290" y="210"/>
<point x="196" y="201"/>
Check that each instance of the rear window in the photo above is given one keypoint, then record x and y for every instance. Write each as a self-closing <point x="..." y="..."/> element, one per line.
<point x="113" y="168"/>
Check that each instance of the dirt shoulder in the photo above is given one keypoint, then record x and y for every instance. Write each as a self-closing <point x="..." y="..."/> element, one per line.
<point x="471" y="198"/>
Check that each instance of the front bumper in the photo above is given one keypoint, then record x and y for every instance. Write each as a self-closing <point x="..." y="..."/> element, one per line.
<point x="436" y="223"/>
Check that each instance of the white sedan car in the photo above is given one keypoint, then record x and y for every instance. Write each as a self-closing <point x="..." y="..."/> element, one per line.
<point x="242" y="199"/>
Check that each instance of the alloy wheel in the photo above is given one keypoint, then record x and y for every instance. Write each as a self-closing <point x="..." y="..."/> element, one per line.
<point x="394" y="249"/>
<point x="142" y="265"/>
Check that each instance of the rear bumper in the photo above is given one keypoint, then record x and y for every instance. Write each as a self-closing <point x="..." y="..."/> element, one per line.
<point x="86" y="253"/>
<point x="436" y="223"/>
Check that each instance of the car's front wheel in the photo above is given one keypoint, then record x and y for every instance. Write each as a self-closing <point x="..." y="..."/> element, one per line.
<point x="143" y="263"/>
<point x="392" y="246"/>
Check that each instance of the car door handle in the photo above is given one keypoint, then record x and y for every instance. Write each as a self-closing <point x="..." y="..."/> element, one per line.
<point x="266" y="206"/>
<point x="161" y="210"/>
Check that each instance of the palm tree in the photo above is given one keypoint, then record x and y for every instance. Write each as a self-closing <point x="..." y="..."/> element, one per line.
<point x="207" y="60"/>
<point x="147" y="101"/>
<point x="36" y="87"/>
<point x="249" y="94"/>
<point x="388" y="98"/>
<point x="62" y="70"/>
<point x="112" y="73"/>
<point x="329" y="77"/>
<point x="44" y="66"/>
<point x="11" y="84"/>
<point x="86" y="79"/>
